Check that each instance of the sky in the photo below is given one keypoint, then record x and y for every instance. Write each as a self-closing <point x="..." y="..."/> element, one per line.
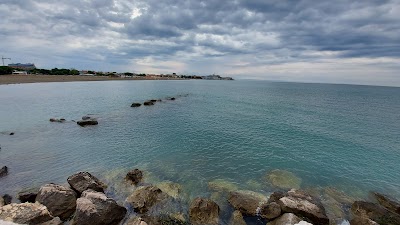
<point x="338" y="41"/>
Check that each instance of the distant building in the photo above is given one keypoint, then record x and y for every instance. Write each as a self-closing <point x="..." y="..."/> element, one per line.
<point x="22" y="66"/>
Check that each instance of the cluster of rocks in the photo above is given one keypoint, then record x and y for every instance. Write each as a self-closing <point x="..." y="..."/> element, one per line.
<point x="85" y="121"/>
<point x="61" y="120"/>
<point x="153" y="101"/>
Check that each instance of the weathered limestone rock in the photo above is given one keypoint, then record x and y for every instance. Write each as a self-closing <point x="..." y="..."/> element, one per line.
<point x="301" y="204"/>
<point x="84" y="123"/>
<point x="270" y="211"/>
<point x="286" y="219"/>
<point x="237" y="218"/>
<point x="283" y="179"/>
<point x="83" y="181"/>
<point x="203" y="212"/>
<point x="25" y="213"/>
<point x="247" y="202"/>
<point x="170" y="188"/>
<point x="59" y="200"/>
<point x="27" y="196"/>
<point x="387" y="202"/>
<point x="135" y="176"/>
<point x="96" y="208"/>
<point x="222" y="185"/>
<point x="3" y="171"/>
<point x="135" y="104"/>
<point x="143" y="198"/>
<point x="375" y="212"/>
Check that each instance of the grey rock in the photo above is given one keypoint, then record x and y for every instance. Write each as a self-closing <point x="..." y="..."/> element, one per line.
<point x="59" y="200"/>
<point x="270" y="211"/>
<point x="286" y="219"/>
<point x="204" y="212"/>
<point x="25" y="213"/>
<point x="247" y="202"/>
<point x="90" y="122"/>
<point x="83" y="181"/>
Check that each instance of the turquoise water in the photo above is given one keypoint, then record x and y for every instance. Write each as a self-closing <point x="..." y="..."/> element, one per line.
<point x="342" y="136"/>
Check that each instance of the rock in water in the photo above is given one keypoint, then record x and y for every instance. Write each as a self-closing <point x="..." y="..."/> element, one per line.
<point x="237" y="218"/>
<point x="283" y="179"/>
<point x="145" y="197"/>
<point x="203" y="212"/>
<point x="362" y="221"/>
<point x="247" y="202"/>
<point x="96" y="208"/>
<point x="286" y="219"/>
<point x="86" y="117"/>
<point x="135" y="176"/>
<point x="136" y="104"/>
<point x="25" y="213"/>
<point x="148" y="103"/>
<point x="170" y="188"/>
<point x="7" y="199"/>
<point x="27" y="196"/>
<point x="270" y="210"/>
<point x="387" y="202"/>
<point x="90" y="122"/>
<point x="222" y="185"/>
<point x="84" y="180"/>
<point x="375" y="212"/>
<point x="59" y="200"/>
<point x="136" y="221"/>
<point x="3" y="171"/>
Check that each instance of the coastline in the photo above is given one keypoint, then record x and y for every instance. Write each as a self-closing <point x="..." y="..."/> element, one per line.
<point x="20" y="79"/>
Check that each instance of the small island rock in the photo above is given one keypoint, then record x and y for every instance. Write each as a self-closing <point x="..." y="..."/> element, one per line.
<point x="90" y="122"/>
<point x="148" y="103"/>
<point x="135" y="104"/>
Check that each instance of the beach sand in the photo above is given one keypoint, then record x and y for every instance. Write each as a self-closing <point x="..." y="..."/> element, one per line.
<point x="17" y="79"/>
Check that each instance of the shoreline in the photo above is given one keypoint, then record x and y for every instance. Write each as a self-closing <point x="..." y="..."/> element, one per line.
<point x="23" y="79"/>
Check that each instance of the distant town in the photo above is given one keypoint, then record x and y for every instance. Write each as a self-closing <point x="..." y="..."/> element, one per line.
<point x="30" y="69"/>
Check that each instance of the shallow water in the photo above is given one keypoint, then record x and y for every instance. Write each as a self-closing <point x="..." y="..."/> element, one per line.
<point x="341" y="136"/>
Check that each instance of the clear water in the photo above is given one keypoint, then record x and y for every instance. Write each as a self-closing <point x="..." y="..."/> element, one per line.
<point x="342" y="136"/>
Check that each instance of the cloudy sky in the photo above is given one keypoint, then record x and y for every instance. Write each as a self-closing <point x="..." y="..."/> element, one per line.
<point x="340" y="41"/>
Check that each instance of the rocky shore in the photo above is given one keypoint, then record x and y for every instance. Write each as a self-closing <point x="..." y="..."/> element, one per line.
<point x="88" y="200"/>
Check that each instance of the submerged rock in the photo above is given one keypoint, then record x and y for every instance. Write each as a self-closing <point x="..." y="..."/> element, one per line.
<point x="96" y="208"/>
<point x="375" y="212"/>
<point x="237" y="218"/>
<point x="387" y="202"/>
<point x="283" y="179"/>
<point x="247" y="202"/>
<point x="170" y="188"/>
<point x="59" y="200"/>
<point x="3" y="171"/>
<point x="135" y="104"/>
<point x="90" y="122"/>
<point x="83" y="181"/>
<point x="27" y="196"/>
<point x="148" y="103"/>
<point x="145" y="197"/>
<point x="203" y="211"/>
<point x="135" y="176"/>
<point x="286" y="219"/>
<point x="222" y="185"/>
<point x="25" y="213"/>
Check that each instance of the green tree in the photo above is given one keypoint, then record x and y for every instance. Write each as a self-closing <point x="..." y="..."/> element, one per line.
<point x="6" y="70"/>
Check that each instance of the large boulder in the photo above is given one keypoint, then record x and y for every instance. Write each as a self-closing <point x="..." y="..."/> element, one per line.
<point x="27" y="196"/>
<point x="302" y="204"/>
<point x="222" y="185"/>
<point x="286" y="219"/>
<point x="89" y="122"/>
<point x="59" y="200"/>
<point x="283" y="179"/>
<point x="96" y="208"/>
<point x="145" y="197"/>
<point x="203" y="212"/>
<point x="270" y="210"/>
<point x="83" y="181"/>
<point x="247" y="202"/>
<point x="237" y="218"/>
<point x="25" y="213"/>
<point x="387" y="202"/>
<point x="375" y="212"/>
<point x="135" y="176"/>
<point x="3" y="171"/>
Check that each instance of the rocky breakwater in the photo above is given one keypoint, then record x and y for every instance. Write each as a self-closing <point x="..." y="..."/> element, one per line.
<point x="82" y="203"/>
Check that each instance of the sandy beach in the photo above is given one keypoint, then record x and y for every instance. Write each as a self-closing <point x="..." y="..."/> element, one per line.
<point x="18" y="79"/>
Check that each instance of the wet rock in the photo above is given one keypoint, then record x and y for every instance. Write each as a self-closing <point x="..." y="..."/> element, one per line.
<point x="153" y="100"/>
<point x="59" y="200"/>
<point x="135" y="176"/>
<point x="90" y="122"/>
<point x="334" y="210"/>
<point x="96" y="208"/>
<point x="274" y="197"/>
<point x="164" y="220"/>
<point x="7" y="199"/>
<point x="12" y="133"/>
<point x="136" y="104"/>
<point x="247" y="202"/>
<point x="148" y="103"/>
<point x="286" y="219"/>
<point x="283" y="179"/>
<point x="25" y="213"/>
<point x="387" y="202"/>
<point x="339" y="196"/>
<point x="145" y="197"/>
<point x="27" y="196"/>
<point x="302" y="204"/>
<point x="3" y="171"/>
<point x="86" y="117"/>
<point x="83" y="181"/>
<point x="375" y="212"/>
<point x="237" y="218"/>
<point x="362" y="221"/>
<point x="54" y="221"/>
<point x="270" y="211"/>
<point x="222" y="185"/>
<point x="171" y="98"/>
<point x="61" y="120"/>
<point x="170" y="188"/>
<point x="203" y="211"/>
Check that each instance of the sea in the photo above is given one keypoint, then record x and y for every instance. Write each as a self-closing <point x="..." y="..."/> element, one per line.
<point x="345" y="137"/>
